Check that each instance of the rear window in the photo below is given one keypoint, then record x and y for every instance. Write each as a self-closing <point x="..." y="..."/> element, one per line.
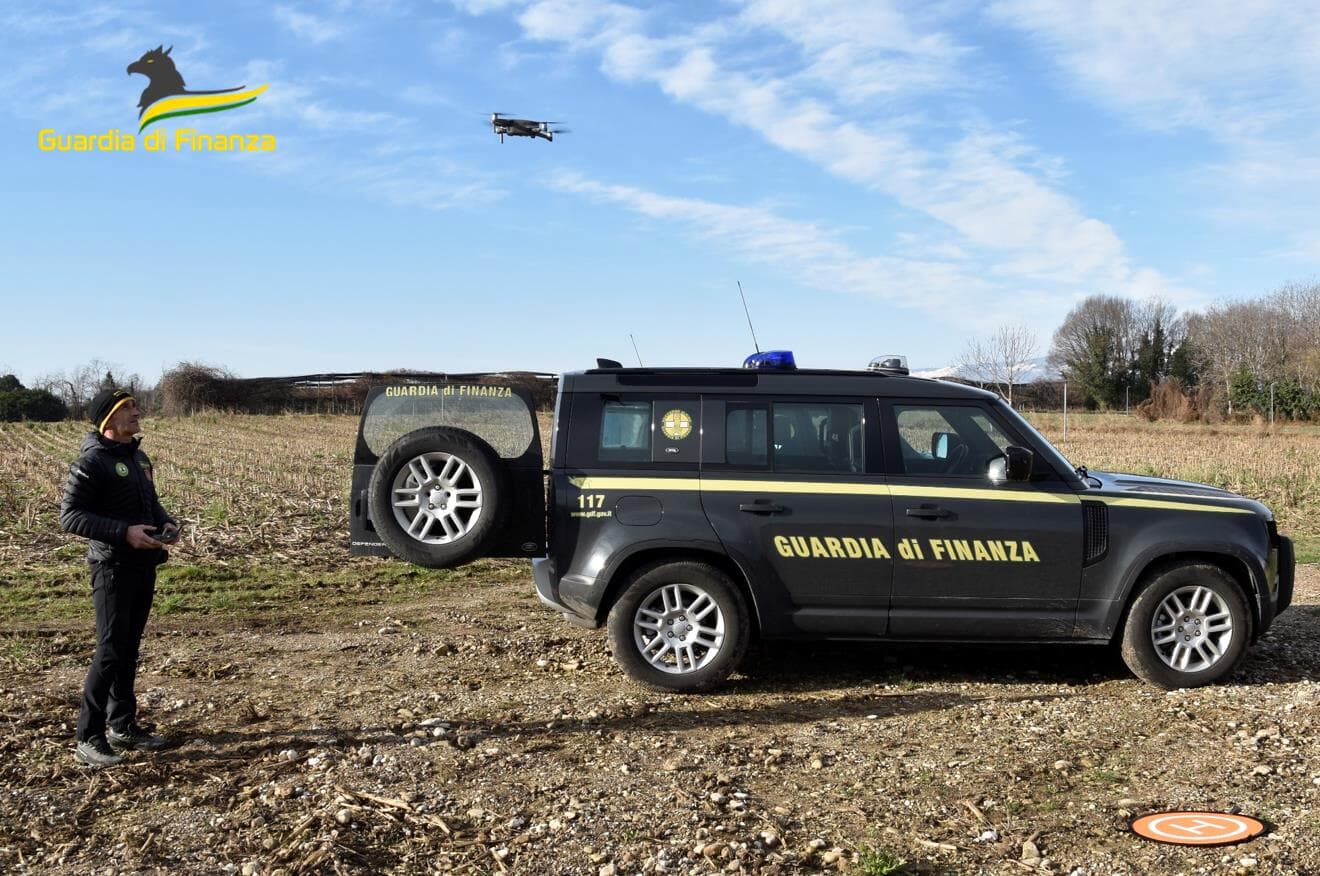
<point x="495" y="414"/>
<point x="625" y="432"/>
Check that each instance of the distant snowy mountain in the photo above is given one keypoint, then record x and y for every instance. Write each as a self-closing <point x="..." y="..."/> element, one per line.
<point x="1036" y="369"/>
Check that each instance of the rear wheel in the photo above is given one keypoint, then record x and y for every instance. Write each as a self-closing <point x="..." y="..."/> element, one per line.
<point x="679" y="626"/>
<point x="1188" y="627"/>
<point x="438" y="497"/>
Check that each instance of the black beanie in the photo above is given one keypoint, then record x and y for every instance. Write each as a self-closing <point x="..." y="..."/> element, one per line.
<point x="105" y="403"/>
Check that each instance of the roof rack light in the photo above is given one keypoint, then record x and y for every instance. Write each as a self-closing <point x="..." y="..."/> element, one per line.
<point x="771" y="360"/>
<point x="889" y="364"/>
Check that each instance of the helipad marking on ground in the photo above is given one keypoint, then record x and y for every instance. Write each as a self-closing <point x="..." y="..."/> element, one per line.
<point x="1197" y="828"/>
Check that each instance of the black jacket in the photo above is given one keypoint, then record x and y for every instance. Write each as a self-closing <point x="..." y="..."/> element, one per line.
<point x="110" y="488"/>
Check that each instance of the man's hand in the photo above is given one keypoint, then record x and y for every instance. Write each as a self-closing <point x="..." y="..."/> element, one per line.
<point x="139" y="536"/>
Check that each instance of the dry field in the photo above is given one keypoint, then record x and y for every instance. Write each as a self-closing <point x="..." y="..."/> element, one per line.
<point x="259" y="486"/>
<point x="339" y="715"/>
<point x="1279" y="466"/>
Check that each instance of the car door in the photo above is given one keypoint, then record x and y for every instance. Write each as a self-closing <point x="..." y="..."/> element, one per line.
<point x="794" y="490"/>
<point x="976" y="559"/>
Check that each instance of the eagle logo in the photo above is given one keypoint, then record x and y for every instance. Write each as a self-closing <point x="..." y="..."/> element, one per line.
<point x="166" y="95"/>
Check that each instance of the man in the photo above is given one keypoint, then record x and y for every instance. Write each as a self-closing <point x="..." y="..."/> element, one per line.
<point x="110" y="499"/>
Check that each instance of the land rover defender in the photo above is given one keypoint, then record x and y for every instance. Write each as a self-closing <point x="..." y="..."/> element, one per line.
<point x="689" y="510"/>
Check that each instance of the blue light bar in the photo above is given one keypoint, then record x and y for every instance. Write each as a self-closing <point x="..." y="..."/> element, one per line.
<point x="771" y="360"/>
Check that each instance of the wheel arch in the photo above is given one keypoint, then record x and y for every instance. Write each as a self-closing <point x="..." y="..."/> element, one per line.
<point x="629" y="566"/>
<point x="1236" y="567"/>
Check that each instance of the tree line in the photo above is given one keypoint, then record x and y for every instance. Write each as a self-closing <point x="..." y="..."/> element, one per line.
<point x="190" y="388"/>
<point x="1253" y="357"/>
<point x="1248" y="357"/>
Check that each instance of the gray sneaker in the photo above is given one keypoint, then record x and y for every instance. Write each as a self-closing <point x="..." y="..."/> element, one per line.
<point x="135" y="737"/>
<point x="96" y="752"/>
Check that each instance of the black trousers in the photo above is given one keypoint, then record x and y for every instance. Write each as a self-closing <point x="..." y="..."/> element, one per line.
<point x="121" y="595"/>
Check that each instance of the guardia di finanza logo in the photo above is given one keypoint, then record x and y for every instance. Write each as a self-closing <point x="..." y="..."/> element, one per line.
<point x="168" y="97"/>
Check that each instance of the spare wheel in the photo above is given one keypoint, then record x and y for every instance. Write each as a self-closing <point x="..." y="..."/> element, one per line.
<point x="439" y="497"/>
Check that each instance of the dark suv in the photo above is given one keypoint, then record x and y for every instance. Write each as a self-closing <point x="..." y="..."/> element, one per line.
<point x="691" y="509"/>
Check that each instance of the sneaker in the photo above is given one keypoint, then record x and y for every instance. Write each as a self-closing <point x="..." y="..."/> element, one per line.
<point x="135" y="737"/>
<point x="96" y="752"/>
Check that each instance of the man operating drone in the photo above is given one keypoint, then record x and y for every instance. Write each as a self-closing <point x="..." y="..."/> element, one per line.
<point x="503" y="125"/>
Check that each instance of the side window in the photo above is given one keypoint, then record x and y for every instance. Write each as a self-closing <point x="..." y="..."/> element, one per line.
<point x="954" y="440"/>
<point x="745" y="434"/>
<point x="625" y="432"/>
<point x="993" y="432"/>
<point x="818" y="437"/>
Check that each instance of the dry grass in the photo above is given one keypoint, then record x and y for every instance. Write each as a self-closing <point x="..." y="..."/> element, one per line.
<point x="277" y="486"/>
<point x="243" y="485"/>
<point x="1279" y="466"/>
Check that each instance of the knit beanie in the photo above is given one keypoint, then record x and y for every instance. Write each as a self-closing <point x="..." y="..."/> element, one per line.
<point x="104" y="404"/>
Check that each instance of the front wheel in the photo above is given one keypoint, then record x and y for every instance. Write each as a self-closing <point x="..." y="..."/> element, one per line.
<point x="1187" y="628"/>
<point x="680" y="626"/>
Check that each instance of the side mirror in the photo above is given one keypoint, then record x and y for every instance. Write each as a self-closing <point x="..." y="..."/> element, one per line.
<point x="1013" y="465"/>
<point x="939" y="445"/>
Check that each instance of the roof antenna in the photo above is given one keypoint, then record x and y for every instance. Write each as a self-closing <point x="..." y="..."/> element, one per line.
<point x="639" y="355"/>
<point x="749" y="315"/>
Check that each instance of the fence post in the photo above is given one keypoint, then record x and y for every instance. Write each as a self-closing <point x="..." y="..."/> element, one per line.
<point x="1065" y="407"/>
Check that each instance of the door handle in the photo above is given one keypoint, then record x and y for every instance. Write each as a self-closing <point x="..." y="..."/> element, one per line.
<point x="929" y="512"/>
<point x="761" y="507"/>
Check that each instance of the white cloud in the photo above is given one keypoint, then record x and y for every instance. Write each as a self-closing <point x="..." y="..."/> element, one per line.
<point x="816" y="256"/>
<point x="124" y="41"/>
<point x="427" y="95"/>
<point x="976" y="186"/>
<point x="305" y="25"/>
<point x="1228" y="67"/>
<point x="1012" y="230"/>
<point x="48" y="23"/>
<point x="1245" y="75"/>
<point x="862" y="50"/>
<point x="482" y="7"/>
<point x="574" y="20"/>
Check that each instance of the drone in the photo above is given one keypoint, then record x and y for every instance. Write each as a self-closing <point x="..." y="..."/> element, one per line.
<point x="503" y="125"/>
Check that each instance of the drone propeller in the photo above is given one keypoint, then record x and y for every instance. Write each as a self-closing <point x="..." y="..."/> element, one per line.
<point x="560" y="130"/>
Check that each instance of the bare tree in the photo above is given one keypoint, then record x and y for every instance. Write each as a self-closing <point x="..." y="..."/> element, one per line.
<point x="1001" y="359"/>
<point x="76" y="386"/>
<point x="1271" y="340"/>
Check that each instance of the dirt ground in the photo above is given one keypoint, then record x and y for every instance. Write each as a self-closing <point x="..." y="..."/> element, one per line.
<point x="472" y="731"/>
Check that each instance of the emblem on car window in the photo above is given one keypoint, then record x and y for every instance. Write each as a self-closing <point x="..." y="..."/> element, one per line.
<point x="676" y="424"/>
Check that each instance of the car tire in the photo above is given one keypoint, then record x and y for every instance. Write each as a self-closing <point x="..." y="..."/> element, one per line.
<point x="439" y="497"/>
<point x="1188" y="627"/>
<point x="679" y="626"/>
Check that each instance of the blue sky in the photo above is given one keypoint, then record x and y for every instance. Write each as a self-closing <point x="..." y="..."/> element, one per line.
<point x="881" y="177"/>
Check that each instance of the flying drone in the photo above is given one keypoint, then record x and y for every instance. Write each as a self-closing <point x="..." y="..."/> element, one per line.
<point x="503" y="125"/>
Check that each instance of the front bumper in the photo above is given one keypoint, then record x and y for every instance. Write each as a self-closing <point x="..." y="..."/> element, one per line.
<point x="1287" y="575"/>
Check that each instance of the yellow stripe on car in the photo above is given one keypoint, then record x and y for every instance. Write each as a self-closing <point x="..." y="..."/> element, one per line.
<point x="830" y="488"/>
<point x="1123" y="502"/>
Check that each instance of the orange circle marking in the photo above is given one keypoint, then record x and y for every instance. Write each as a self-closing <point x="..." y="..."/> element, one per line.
<point x="1197" y="828"/>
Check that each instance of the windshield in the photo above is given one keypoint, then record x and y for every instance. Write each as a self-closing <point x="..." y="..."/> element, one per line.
<point x="1048" y="450"/>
